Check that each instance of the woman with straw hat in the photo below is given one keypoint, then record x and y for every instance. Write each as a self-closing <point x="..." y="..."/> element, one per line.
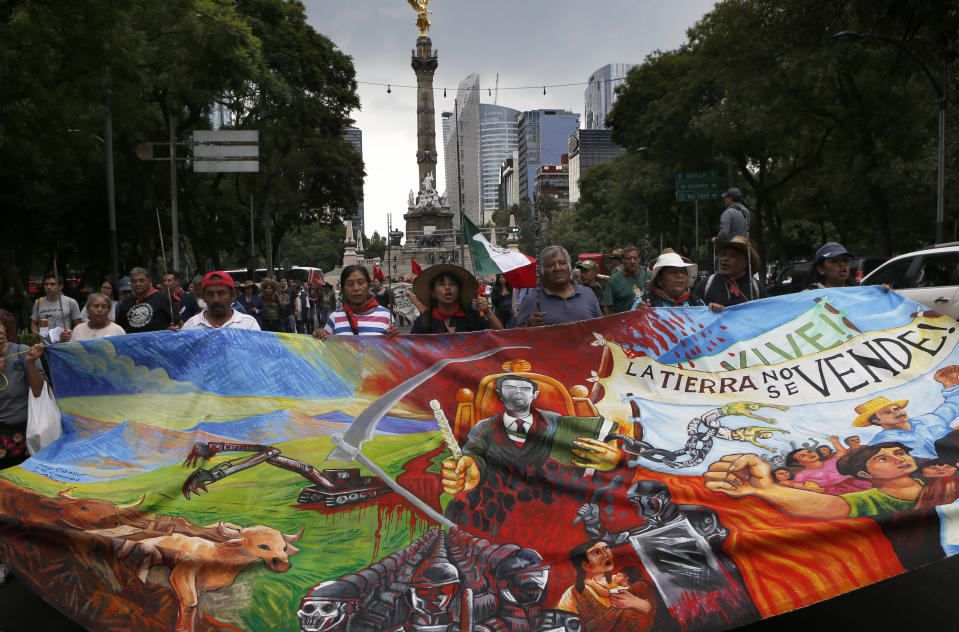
<point x="447" y="291"/>
<point x="673" y="276"/>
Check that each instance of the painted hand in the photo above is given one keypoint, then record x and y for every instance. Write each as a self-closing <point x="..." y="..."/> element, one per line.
<point x="739" y="475"/>
<point x="626" y="599"/>
<point x="948" y="376"/>
<point x="460" y="474"/>
<point x="592" y="453"/>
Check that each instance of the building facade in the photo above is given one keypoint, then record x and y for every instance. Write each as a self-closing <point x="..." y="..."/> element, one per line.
<point x="587" y="148"/>
<point x="553" y="181"/>
<point x="498" y="138"/>
<point x="542" y="138"/>
<point x="600" y="93"/>
<point x="463" y="168"/>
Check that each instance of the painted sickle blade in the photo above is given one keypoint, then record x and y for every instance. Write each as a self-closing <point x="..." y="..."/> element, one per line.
<point x="363" y="427"/>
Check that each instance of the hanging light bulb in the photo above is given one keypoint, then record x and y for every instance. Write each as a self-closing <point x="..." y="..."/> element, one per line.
<point x="490" y="91"/>
<point x="388" y="89"/>
<point x="544" y="89"/>
<point x="444" y="93"/>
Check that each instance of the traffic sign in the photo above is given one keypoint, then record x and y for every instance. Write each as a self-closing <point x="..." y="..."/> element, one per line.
<point x="229" y="151"/>
<point x="698" y="185"/>
<point x="697" y="175"/>
<point x="692" y="196"/>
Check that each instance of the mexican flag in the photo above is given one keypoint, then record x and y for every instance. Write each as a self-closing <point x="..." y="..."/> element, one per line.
<point x="519" y="269"/>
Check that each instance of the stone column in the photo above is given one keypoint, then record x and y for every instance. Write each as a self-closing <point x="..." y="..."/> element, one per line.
<point x="424" y="65"/>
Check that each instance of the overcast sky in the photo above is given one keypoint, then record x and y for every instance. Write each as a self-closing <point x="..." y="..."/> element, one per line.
<point x="528" y="42"/>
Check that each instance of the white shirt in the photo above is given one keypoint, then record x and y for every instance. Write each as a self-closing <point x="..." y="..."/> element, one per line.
<point x="84" y="331"/>
<point x="512" y="428"/>
<point x="237" y="321"/>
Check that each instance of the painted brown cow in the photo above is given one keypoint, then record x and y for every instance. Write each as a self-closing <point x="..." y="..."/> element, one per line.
<point x="199" y="565"/>
<point x="61" y="510"/>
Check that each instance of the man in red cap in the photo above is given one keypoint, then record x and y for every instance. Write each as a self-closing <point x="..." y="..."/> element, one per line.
<point x="219" y="292"/>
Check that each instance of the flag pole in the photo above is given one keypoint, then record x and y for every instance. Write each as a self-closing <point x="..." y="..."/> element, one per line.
<point x="163" y="254"/>
<point x="56" y="276"/>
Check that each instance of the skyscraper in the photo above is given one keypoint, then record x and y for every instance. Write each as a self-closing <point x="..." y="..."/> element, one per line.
<point x="542" y="138"/>
<point x="600" y="93"/>
<point x="355" y="136"/>
<point x="587" y="148"/>
<point x="498" y="138"/>
<point x="463" y="171"/>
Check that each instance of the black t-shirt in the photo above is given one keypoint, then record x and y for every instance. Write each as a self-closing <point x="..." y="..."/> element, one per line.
<point x="150" y="314"/>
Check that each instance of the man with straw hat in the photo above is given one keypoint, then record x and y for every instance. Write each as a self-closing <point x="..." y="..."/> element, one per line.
<point x="918" y="433"/>
<point x="733" y="283"/>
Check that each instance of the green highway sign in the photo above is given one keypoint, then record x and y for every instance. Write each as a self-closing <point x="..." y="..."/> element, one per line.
<point x="692" y="196"/>
<point x="697" y="175"/>
<point x="698" y="185"/>
<point x="512" y="229"/>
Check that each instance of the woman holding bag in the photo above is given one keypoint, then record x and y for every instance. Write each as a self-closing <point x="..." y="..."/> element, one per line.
<point x="19" y="376"/>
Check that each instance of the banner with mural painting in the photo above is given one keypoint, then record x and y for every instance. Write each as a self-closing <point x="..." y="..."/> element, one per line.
<point x="675" y="469"/>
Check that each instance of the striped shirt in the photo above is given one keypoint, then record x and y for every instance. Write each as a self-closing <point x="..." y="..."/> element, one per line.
<point x="372" y="323"/>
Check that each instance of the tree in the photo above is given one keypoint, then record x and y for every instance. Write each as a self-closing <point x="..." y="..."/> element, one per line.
<point x="375" y="246"/>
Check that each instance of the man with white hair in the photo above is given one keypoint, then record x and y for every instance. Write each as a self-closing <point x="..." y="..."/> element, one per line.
<point x="557" y="299"/>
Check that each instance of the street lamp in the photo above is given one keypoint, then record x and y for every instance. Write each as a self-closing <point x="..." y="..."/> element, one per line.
<point x="940" y="88"/>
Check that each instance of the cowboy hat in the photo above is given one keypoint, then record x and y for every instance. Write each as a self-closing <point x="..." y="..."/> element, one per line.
<point x="873" y="406"/>
<point x="741" y="244"/>
<point x="249" y="283"/>
<point x="669" y="258"/>
<point x="424" y="282"/>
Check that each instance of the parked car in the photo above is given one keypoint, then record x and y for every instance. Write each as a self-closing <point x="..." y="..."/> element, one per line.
<point x="793" y="277"/>
<point x="930" y="277"/>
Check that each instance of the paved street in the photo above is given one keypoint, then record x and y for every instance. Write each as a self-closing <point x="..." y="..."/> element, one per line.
<point x="922" y="600"/>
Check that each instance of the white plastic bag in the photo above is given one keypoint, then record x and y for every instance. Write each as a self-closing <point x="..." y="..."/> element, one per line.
<point x="43" y="420"/>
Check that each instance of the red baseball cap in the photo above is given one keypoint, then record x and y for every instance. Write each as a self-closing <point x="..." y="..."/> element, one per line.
<point x="217" y="277"/>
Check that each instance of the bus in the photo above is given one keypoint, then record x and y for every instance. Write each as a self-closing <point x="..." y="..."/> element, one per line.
<point x="294" y="274"/>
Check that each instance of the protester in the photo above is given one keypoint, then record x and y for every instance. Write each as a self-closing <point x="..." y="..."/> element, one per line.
<point x="673" y="275"/>
<point x="13" y="302"/>
<point x="616" y="261"/>
<point x="301" y="309"/>
<point x="56" y="309"/>
<point x="251" y="301"/>
<point x="147" y="309"/>
<point x="383" y="294"/>
<point x="832" y="267"/>
<point x="325" y="303"/>
<point x="285" y="294"/>
<point x="557" y="299"/>
<point x="99" y="324"/>
<point x="188" y="306"/>
<point x="501" y="296"/>
<point x="361" y="314"/>
<point x="589" y="273"/>
<point x="124" y="289"/>
<point x="448" y="291"/>
<point x="626" y="284"/>
<point x="106" y="289"/>
<point x="734" y="222"/>
<point x="732" y="284"/>
<point x="20" y="375"/>
<point x="219" y="292"/>
<point x="274" y="310"/>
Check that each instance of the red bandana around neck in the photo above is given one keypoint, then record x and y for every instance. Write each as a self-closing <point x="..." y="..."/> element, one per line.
<point x="679" y="301"/>
<point x="441" y="315"/>
<point x="362" y="309"/>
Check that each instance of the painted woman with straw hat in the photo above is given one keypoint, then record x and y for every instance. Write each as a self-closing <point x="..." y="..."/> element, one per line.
<point x="448" y="291"/>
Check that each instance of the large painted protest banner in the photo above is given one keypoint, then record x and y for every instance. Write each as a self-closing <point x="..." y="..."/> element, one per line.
<point x="675" y="469"/>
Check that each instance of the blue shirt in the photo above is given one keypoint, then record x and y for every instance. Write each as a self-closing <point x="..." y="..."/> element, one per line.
<point x="580" y="305"/>
<point x="925" y="429"/>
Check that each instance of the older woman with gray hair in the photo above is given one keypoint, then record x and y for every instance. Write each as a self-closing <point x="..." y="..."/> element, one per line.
<point x="557" y="299"/>
<point x="99" y="325"/>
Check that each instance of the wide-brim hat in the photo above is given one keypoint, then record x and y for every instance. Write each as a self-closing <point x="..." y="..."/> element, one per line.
<point x="669" y="258"/>
<point x="738" y="242"/>
<point x="249" y="283"/>
<point x="873" y="406"/>
<point x="424" y="281"/>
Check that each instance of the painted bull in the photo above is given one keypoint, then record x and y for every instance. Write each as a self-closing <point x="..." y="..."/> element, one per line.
<point x="199" y="565"/>
<point x="61" y="510"/>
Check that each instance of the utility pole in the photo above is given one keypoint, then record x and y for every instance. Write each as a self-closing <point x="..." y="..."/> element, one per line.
<point x="459" y="180"/>
<point x="173" y="208"/>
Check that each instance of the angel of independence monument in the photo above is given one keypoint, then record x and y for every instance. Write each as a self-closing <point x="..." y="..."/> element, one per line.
<point x="430" y="230"/>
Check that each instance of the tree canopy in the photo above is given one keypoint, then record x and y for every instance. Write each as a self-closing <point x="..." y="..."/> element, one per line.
<point x="148" y="64"/>
<point x="827" y="138"/>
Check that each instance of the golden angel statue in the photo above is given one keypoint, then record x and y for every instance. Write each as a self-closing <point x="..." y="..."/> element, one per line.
<point x="422" y="14"/>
